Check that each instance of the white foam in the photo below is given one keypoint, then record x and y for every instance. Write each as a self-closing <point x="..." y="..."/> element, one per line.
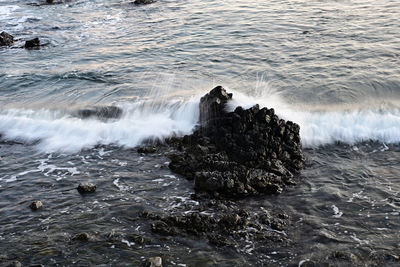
<point x="336" y="212"/>
<point x="59" y="132"/>
<point x="5" y="11"/>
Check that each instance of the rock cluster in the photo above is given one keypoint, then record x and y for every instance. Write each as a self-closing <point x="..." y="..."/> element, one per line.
<point x="7" y="39"/>
<point x="240" y="153"/>
<point x="222" y="222"/>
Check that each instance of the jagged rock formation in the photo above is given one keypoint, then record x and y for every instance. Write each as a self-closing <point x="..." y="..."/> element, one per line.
<point x="239" y="153"/>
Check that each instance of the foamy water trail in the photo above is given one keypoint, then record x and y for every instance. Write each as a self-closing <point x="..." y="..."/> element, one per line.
<point x="61" y="132"/>
<point x="57" y="132"/>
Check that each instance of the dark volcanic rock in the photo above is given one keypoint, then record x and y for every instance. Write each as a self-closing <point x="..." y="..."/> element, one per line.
<point x="84" y="188"/>
<point x="109" y="112"/>
<point x="240" y="153"/>
<point x="6" y="39"/>
<point x="144" y="2"/>
<point x="34" y="43"/>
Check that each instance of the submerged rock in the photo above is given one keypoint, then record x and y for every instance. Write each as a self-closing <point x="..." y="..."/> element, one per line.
<point x="244" y="152"/>
<point x="109" y="112"/>
<point x="84" y="188"/>
<point x="81" y="237"/>
<point x="6" y="39"/>
<point x="34" y="43"/>
<point x="147" y="149"/>
<point x="35" y="205"/>
<point x="144" y="2"/>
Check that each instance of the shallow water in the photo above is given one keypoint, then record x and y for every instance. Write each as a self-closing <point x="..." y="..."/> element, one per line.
<point x="331" y="66"/>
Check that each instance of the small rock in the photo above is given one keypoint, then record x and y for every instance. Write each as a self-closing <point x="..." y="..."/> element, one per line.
<point x="81" y="237"/>
<point x="32" y="43"/>
<point x="36" y="265"/>
<point x="35" y="205"/>
<point x="306" y="32"/>
<point x="154" y="262"/>
<point x="144" y="2"/>
<point x="6" y="39"/>
<point x="84" y="188"/>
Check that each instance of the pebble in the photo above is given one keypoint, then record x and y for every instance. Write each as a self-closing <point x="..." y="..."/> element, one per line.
<point x="35" y="205"/>
<point x="84" y="188"/>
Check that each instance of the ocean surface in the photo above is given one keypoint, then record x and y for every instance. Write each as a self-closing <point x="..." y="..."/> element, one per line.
<point x="333" y="67"/>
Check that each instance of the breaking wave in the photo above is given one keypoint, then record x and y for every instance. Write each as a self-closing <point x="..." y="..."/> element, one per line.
<point x="56" y="131"/>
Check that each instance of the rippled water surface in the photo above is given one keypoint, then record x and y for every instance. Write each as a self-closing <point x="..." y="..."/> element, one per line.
<point x="331" y="66"/>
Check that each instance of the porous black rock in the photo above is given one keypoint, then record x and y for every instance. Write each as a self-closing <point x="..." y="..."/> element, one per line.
<point x="34" y="43"/>
<point x="144" y="2"/>
<point x="85" y="188"/>
<point x="6" y="39"/>
<point x="102" y="113"/>
<point x="240" y="153"/>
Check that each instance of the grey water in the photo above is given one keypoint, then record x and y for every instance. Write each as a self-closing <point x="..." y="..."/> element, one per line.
<point x="331" y="66"/>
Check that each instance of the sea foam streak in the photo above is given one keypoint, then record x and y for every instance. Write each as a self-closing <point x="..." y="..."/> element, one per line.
<point x="58" y="132"/>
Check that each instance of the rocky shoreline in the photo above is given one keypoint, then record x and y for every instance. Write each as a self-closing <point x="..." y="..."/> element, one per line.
<point x="231" y="159"/>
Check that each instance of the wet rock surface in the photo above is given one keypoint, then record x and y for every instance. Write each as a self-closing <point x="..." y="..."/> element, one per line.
<point x="6" y="39"/>
<point x="240" y="153"/>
